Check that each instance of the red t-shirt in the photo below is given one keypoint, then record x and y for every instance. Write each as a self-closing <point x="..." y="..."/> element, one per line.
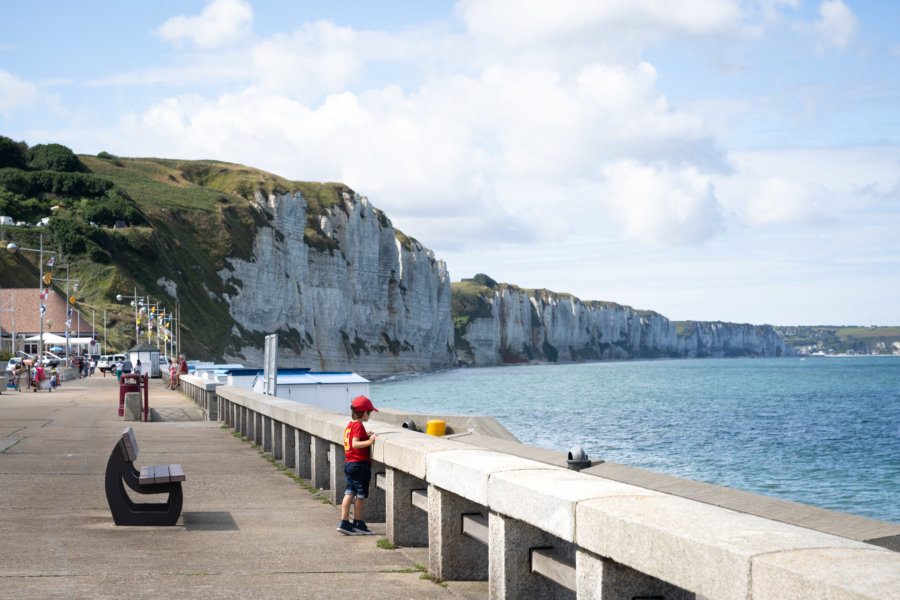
<point x="355" y="429"/>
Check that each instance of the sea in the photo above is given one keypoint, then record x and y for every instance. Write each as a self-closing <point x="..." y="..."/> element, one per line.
<point x="823" y="431"/>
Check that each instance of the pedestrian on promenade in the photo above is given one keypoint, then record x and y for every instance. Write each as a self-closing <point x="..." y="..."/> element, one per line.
<point x="127" y="366"/>
<point x="93" y="365"/>
<point x="119" y="369"/>
<point x="357" y="467"/>
<point x="170" y="385"/>
<point x="182" y="369"/>
<point x="137" y="367"/>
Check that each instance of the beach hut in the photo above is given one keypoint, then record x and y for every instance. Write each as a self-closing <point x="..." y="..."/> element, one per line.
<point x="149" y="357"/>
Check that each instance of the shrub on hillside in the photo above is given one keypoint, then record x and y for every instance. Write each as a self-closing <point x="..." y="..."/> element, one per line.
<point x="68" y="235"/>
<point x="114" y="206"/>
<point x="12" y="153"/>
<point x="52" y="157"/>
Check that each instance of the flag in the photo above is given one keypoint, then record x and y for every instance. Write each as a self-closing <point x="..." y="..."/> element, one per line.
<point x="50" y="262"/>
<point x="68" y="324"/>
<point x="47" y="277"/>
<point x="43" y="310"/>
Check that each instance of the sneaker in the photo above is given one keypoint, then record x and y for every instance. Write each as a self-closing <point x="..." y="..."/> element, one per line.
<point x="361" y="528"/>
<point x="347" y="528"/>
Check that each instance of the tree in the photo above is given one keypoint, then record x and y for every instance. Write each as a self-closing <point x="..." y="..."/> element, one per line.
<point x="53" y="157"/>
<point x="12" y="154"/>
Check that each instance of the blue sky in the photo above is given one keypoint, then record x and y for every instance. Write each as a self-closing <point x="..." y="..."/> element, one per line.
<point x="734" y="160"/>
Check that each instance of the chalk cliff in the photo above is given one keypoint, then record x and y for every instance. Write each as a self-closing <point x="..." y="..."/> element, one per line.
<point x="360" y="299"/>
<point x="505" y="324"/>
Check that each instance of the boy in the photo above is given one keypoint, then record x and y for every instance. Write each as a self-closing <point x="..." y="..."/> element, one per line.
<point x="357" y="467"/>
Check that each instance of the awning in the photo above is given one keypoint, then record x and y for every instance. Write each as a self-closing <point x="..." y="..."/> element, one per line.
<point x="49" y="338"/>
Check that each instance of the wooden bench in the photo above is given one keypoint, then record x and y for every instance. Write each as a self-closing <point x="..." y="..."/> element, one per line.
<point x="158" y="479"/>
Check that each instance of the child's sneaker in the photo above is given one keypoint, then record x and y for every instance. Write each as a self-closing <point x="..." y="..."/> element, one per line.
<point x="361" y="528"/>
<point x="347" y="528"/>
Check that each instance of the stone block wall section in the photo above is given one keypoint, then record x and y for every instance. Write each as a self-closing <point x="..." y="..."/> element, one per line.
<point x="535" y="530"/>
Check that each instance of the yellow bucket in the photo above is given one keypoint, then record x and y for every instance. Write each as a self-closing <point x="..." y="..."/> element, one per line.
<point x="436" y="427"/>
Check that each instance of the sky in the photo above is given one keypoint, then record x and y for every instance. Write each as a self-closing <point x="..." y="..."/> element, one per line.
<point x="714" y="160"/>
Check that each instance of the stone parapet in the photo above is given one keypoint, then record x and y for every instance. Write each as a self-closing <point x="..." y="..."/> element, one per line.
<point x="552" y="532"/>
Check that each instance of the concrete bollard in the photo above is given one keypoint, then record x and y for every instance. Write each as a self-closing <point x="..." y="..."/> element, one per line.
<point x="134" y="407"/>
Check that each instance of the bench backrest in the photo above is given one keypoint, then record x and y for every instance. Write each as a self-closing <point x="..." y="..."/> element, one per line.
<point x="129" y="444"/>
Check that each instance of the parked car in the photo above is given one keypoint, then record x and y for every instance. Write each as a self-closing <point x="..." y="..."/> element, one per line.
<point x="13" y="364"/>
<point x="107" y="362"/>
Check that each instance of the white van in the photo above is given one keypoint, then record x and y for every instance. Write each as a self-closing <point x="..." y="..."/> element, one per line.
<point x="7" y="221"/>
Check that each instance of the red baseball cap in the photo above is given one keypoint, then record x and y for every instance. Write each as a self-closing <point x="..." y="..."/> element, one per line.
<point x="362" y="404"/>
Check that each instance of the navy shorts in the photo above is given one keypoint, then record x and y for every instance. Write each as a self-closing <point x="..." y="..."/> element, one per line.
<point x="358" y="476"/>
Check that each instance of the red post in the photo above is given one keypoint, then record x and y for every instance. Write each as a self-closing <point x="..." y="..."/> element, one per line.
<point x="146" y="378"/>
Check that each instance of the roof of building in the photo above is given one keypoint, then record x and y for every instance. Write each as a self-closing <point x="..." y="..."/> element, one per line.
<point x="26" y="305"/>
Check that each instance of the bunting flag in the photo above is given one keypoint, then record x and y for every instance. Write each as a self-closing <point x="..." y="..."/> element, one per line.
<point x="43" y="310"/>
<point x="68" y="324"/>
<point x="70" y="312"/>
<point x="47" y="277"/>
<point x="50" y="262"/>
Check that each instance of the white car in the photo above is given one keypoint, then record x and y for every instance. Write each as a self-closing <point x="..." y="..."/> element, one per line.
<point x="107" y="362"/>
<point x="13" y="363"/>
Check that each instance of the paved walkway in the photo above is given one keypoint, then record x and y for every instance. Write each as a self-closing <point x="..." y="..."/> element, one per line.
<point x="247" y="530"/>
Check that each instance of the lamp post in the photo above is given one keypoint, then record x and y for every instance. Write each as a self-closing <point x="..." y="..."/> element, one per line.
<point x="12" y="248"/>
<point x="134" y="303"/>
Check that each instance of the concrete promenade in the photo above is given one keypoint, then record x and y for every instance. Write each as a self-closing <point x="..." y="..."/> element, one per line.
<point x="247" y="530"/>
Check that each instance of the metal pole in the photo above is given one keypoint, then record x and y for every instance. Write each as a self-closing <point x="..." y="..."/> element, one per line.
<point x="104" y="331"/>
<point x="68" y="319"/>
<point x="137" y="328"/>
<point x="42" y="308"/>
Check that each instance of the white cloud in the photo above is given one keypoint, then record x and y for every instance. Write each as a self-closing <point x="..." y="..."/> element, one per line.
<point x="221" y="23"/>
<point x="836" y="25"/>
<point x="15" y="93"/>
<point x="664" y="206"/>
<point x="778" y="200"/>
<point x="531" y="21"/>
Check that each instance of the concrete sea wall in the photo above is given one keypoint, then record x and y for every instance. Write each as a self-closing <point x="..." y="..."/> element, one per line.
<point x="534" y="529"/>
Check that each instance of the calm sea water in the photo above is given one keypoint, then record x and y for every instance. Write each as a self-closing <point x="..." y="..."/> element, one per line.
<point x="821" y="431"/>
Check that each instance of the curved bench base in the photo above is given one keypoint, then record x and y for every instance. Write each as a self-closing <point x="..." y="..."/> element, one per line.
<point x="126" y="512"/>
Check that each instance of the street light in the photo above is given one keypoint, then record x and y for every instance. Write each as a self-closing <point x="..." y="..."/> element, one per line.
<point x="12" y="248"/>
<point x="134" y="303"/>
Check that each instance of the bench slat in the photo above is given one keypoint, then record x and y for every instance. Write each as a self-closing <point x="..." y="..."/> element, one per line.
<point x="131" y="447"/>
<point x="148" y="476"/>
<point x="162" y="474"/>
<point x="176" y="473"/>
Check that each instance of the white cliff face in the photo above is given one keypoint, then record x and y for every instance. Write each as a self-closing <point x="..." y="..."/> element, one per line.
<point x="731" y="339"/>
<point x="551" y="327"/>
<point x="368" y="304"/>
